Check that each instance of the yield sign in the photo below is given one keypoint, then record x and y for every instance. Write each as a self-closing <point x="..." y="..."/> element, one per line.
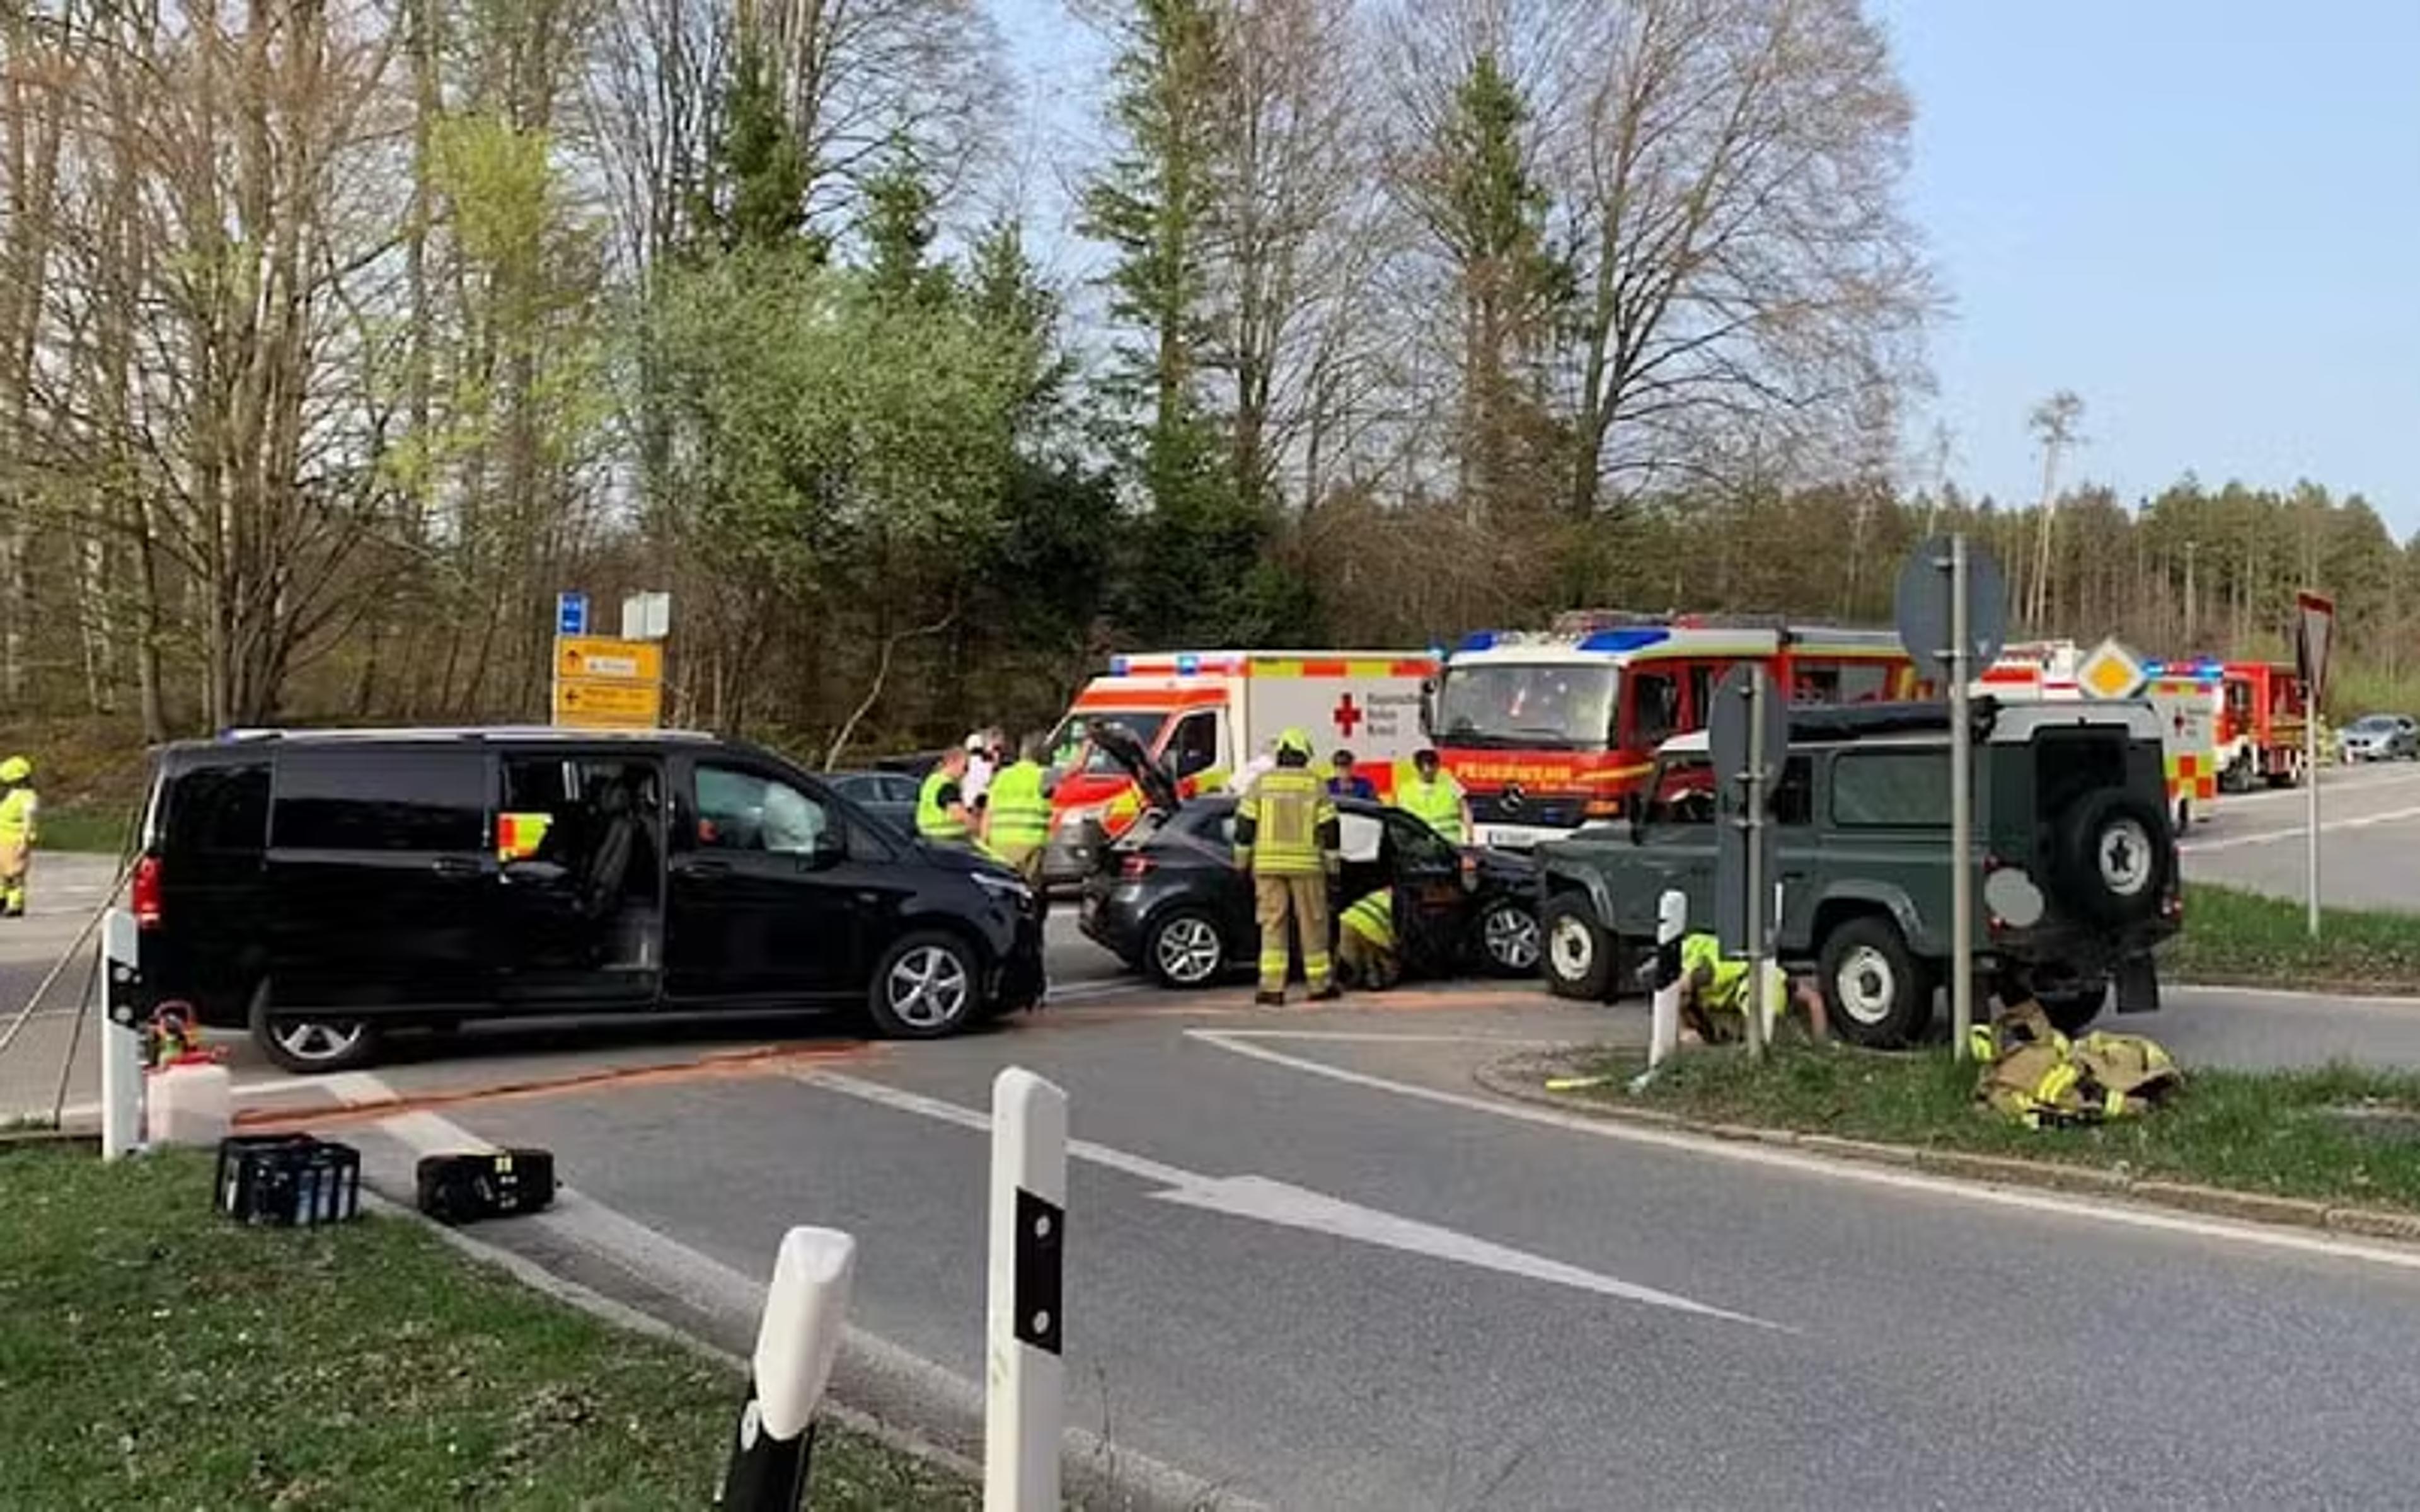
<point x="2315" y="626"/>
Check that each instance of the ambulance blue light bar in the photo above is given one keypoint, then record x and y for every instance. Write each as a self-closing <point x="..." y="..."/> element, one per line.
<point x="1632" y="638"/>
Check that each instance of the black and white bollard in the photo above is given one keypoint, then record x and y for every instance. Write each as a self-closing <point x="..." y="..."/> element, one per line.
<point x="119" y="986"/>
<point x="1024" y="1406"/>
<point x="1664" y="1029"/>
<point x="805" y="1312"/>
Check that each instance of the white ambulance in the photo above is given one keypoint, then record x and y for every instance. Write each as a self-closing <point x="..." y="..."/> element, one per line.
<point x="2189" y="699"/>
<point x="1208" y="715"/>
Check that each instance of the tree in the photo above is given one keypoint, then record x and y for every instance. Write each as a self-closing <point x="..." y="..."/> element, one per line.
<point x="2052" y="423"/>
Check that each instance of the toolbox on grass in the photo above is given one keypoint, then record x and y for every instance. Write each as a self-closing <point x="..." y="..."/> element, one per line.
<point x="292" y="1180"/>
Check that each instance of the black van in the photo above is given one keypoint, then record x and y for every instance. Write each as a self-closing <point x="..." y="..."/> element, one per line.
<point x="321" y="886"/>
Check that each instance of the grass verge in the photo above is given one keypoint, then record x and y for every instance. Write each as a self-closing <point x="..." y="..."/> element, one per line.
<point x="152" y="1354"/>
<point x="2241" y="937"/>
<point x="96" y="831"/>
<point x="2338" y="1135"/>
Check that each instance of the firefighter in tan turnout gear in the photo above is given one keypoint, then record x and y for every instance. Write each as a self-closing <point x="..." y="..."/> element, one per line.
<point x="1286" y="836"/>
<point x="18" y="833"/>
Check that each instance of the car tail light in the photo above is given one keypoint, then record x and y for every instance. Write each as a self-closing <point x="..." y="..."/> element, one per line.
<point x="1135" y="867"/>
<point x="143" y="893"/>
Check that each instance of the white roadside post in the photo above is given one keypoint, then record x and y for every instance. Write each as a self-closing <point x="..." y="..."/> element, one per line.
<point x="1664" y="1032"/>
<point x="1024" y="1400"/>
<point x="1752" y="1017"/>
<point x="122" y="1036"/>
<point x="805" y="1311"/>
<point x="1961" y="810"/>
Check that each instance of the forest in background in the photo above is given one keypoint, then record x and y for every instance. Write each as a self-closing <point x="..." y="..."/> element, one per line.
<point x="337" y="335"/>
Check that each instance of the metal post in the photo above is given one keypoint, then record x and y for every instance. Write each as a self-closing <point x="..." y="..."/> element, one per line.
<point x="2311" y="782"/>
<point x="796" y="1339"/>
<point x="1664" y="1032"/>
<point x="120" y="1036"/>
<point x="1961" y="810"/>
<point x="1752" y="1010"/>
<point x="1024" y="1406"/>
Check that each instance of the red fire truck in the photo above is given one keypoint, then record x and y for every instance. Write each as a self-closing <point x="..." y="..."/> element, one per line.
<point x="2260" y="728"/>
<point x="1546" y="731"/>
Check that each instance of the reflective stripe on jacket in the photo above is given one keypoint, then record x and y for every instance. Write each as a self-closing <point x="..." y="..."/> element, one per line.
<point x="1021" y="814"/>
<point x="1285" y="826"/>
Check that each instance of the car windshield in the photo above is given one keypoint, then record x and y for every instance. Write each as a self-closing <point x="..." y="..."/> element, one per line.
<point x="2374" y="724"/>
<point x="1143" y="724"/>
<point x="1550" y="706"/>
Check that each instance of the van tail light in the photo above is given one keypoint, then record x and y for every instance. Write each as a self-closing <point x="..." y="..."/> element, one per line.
<point x="1135" y="867"/>
<point x="143" y="893"/>
<point x="1601" y="809"/>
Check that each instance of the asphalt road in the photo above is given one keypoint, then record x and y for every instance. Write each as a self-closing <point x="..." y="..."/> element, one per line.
<point x="1311" y="1265"/>
<point x="2369" y="820"/>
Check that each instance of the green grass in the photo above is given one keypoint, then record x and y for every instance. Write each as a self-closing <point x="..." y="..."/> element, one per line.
<point x="99" y="831"/>
<point x="154" y="1355"/>
<point x="2271" y="1132"/>
<point x="2232" y="936"/>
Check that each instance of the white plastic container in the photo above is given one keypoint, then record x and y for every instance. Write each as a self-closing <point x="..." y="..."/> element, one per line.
<point x="189" y="1104"/>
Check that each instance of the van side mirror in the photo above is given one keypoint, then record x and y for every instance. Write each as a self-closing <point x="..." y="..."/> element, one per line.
<point x="1634" y="808"/>
<point x="831" y="849"/>
<point x="1428" y="707"/>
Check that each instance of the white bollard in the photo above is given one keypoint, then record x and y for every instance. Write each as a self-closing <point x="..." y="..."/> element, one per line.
<point x="805" y="1312"/>
<point x="122" y="1037"/>
<point x="1024" y="1406"/>
<point x="1664" y="1029"/>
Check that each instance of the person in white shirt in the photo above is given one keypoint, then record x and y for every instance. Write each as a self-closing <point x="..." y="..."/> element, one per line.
<point x="980" y="765"/>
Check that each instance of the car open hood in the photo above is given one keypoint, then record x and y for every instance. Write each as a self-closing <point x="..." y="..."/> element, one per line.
<point x="1120" y="745"/>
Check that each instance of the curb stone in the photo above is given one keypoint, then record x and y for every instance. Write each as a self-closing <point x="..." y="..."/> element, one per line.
<point x="1502" y="1079"/>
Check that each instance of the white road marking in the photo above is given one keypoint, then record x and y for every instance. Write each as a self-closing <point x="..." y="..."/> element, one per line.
<point x="2265" y="836"/>
<point x="2294" y="999"/>
<point x="1775" y="1158"/>
<point x="1264" y="1200"/>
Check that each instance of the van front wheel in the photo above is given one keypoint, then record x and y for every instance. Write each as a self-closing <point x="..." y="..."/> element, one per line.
<point x="1580" y="951"/>
<point x="310" y="1043"/>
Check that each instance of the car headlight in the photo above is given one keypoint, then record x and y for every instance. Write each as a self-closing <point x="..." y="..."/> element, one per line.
<point x="1011" y="888"/>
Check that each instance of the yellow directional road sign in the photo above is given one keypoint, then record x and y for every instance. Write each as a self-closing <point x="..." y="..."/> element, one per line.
<point x="588" y="704"/>
<point x="2112" y="672"/>
<point x="597" y="656"/>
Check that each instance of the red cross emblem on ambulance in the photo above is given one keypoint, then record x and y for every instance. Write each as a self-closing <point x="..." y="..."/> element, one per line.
<point x="1347" y="715"/>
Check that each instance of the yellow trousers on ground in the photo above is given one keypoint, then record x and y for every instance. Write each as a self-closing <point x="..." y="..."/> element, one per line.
<point x="1374" y="967"/>
<point x="1303" y="902"/>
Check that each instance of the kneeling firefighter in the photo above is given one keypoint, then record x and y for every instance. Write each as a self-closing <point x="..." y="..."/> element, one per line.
<point x="1366" y="946"/>
<point x="1715" y="993"/>
<point x="1286" y="838"/>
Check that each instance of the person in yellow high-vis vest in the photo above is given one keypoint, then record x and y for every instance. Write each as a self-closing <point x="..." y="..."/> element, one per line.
<point x="942" y="814"/>
<point x="1430" y="795"/>
<point x="1016" y="820"/>
<point x="18" y="833"/>
<point x="1286" y="838"/>
<point x="1366" y="946"/>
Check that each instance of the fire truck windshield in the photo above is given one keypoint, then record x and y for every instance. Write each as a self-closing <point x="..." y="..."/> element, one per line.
<point x="1546" y="706"/>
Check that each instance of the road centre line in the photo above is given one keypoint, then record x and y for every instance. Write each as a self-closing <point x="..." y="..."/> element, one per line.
<point x="2265" y="836"/>
<point x="1775" y="1158"/>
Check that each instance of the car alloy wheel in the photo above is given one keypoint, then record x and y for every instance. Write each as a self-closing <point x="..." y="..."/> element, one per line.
<point x="927" y="987"/>
<point x="316" y="1042"/>
<point x="1868" y="986"/>
<point x="1510" y="932"/>
<point x="1188" y="950"/>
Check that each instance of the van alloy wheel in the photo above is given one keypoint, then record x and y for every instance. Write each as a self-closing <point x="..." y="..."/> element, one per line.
<point x="1510" y="934"/>
<point x="317" y="1041"/>
<point x="927" y="987"/>
<point x="1866" y="984"/>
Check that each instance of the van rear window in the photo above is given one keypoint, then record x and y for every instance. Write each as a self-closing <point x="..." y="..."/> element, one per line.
<point x="218" y="810"/>
<point x="382" y="800"/>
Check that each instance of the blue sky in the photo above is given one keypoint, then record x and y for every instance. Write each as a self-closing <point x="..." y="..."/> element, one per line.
<point x="2203" y="216"/>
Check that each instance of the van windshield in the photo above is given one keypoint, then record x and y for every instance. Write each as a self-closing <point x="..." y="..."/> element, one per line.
<point x="1549" y="706"/>
<point x="1143" y="724"/>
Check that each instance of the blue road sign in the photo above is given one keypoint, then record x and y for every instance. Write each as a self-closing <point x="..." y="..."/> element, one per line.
<point x="571" y="613"/>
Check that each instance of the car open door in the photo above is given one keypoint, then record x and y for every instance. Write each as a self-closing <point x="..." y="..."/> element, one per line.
<point x="1432" y="902"/>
